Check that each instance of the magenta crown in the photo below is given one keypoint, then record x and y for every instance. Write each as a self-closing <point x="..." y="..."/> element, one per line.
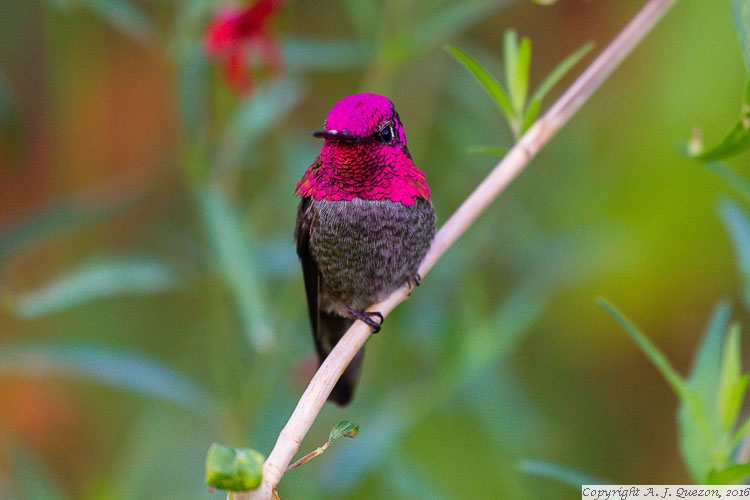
<point x="364" y="155"/>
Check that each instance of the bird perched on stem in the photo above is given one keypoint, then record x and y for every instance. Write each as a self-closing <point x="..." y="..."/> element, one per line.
<point x="364" y="224"/>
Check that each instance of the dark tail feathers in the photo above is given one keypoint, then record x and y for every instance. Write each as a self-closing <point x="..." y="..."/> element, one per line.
<point x="331" y="327"/>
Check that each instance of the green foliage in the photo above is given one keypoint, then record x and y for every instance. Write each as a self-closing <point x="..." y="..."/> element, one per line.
<point x="738" y="138"/>
<point x="115" y="368"/>
<point x="101" y="279"/>
<point x="343" y="429"/>
<point x="737" y="224"/>
<point x="559" y="473"/>
<point x="233" y="469"/>
<point x="734" y="143"/>
<point x="123" y="14"/>
<point x="741" y="14"/>
<point x="512" y="100"/>
<point x="236" y="256"/>
<point x="709" y="420"/>
<point x="136" y="304"/>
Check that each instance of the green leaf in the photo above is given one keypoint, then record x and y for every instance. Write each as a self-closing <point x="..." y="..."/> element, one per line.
<point x="735" y="142"/>
<point x="130" y="371"/>
<point x="236" y="256"/>
<point x="678" y="384"/>
<point x="122" y="14"/>
<point x="560" y="473"/>
<point x="60" y="218"/>
<point x="267" y="107"/>
<point x="704" y="377"/>
<point x="737" y="223"/>
<point x="560" y="71"/>
<point x="531" y="114"/>
<point x="233" y="469"/>
<point x="741" y="433"/>
<point x="731" y="178"/>
<point x="535" y="103"/>
<point x="734" y="474"/>
<point x="343" y="429"/>
<point x="192" y="92"/>
<point x="126" y="16"/>
<point x="482" y="347"/>
<point x="306" y="55"/>
<point x="699" y="434"/>
<point x="486" y="80"/>
<point x="436" y="30"/>
<point x="741" y="15"/>
<point x="104" y="278"/>
<point x="517" y="69"/>
<point x="732" y="384"/>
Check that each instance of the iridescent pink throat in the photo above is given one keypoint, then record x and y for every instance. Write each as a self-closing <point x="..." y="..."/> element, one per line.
<point x="366" y="170"/>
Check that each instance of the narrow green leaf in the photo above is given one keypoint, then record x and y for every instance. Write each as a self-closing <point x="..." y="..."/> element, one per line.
<point x="704" y="377"/>
<point x="737" y="223"/>
<point x="192" y="93"/>
<point x="734" y="474"/>
<point x="343" y="429"/>
<point x="517" y="70"/>
<point x="437" y="29"/>
<point x="486" y="80"/>
<point x="735" y="400"/>
<point x="699" y="432"/>
<point x="678" y="384"/>
<point x="59" y="219"/>
<point x="560" y="71"/>
<point x="483" y="347"/>
<point x="741" y="15"/>
<point x="124" y="370"/>
<point x="236" y="256"/>
<point x="531" y="114"/>
<point x="741" y="433"/>
<point x="560" y="473"/>
<point x="731" y="178"/>
<point x="233" y="469"/>
<point x="126" y="16"/>
<point x="736" y="141"/>
<point x="306" y="55"/>
<point x="267" y="107"/>
<point x="732" y="384"/>
<point x="510" y="60"/>
<point x="104" y="278"/>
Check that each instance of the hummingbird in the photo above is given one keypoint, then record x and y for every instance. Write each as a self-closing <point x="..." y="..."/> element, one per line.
<point x="364" y="224"/>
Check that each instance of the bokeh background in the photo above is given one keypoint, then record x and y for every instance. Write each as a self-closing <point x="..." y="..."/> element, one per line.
<point x="152" y="302"/>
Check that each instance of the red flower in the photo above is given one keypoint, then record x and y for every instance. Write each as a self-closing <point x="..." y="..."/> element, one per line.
<point x="238" y="33"/>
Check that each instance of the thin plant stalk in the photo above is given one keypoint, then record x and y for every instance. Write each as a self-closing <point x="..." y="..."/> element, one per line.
<point x="312" y="400"/>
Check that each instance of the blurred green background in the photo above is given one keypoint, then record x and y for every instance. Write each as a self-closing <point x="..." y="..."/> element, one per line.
<point x="152" y="301"/>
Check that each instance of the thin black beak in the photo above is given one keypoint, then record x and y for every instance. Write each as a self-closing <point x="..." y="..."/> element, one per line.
<point x="336" y="135"/>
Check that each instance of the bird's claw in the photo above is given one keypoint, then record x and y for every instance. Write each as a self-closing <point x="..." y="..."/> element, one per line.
<point x="367" y="317"/>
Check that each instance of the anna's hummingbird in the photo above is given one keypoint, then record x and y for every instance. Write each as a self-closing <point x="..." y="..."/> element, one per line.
<point x="364" y="224"/>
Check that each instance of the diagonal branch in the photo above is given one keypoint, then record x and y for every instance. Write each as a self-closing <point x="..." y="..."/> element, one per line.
<point x="513" y="163"/>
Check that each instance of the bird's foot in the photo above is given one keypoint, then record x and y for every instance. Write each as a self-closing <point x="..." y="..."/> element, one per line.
<point x="413" y="282"/>
<point x="368" y="318"/>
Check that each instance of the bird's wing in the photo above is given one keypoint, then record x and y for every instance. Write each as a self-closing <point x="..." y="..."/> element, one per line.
<point x="310" y="271"/>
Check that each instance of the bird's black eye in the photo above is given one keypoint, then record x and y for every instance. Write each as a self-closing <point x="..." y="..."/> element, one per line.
<point x="386" y="135"/>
